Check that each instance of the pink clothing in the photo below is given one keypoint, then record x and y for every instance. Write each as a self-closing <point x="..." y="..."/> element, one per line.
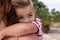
<point x="38" y="23"/>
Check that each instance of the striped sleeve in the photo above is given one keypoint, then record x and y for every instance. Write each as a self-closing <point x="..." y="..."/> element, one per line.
<point x="38" y="23"/>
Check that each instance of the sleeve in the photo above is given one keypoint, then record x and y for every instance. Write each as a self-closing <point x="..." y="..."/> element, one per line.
<point x="38" y="23"/>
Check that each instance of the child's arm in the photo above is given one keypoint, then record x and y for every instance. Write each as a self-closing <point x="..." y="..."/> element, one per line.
<point x="19" y="29"/>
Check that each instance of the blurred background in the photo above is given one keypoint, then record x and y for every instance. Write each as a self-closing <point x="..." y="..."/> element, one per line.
<point x="49" y="12"/>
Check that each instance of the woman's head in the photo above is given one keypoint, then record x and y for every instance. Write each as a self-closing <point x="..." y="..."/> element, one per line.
<point x="24" y="10"/>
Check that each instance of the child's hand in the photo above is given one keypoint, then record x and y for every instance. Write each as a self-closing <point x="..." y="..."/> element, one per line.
<point x="1" y="36"/>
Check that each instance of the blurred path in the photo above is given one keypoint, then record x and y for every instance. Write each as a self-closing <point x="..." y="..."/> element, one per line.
<point x="54" y="34"/>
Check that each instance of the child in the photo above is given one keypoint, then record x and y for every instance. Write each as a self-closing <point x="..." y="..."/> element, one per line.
<point x="32" y="24"/>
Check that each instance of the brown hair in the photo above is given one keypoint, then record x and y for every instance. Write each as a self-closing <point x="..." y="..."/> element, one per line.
<point x="1" y="11"/>
<point x="20" y="3"/>
<point x="4" y="9"/>
<point x="6" y="5"/>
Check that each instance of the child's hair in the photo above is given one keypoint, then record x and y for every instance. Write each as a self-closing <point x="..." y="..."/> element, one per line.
<point x="20" y="3"/>
<point x="11" y="17"/>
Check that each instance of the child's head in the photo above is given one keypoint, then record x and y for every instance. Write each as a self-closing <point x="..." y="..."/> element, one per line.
<point x="24" y="10"/>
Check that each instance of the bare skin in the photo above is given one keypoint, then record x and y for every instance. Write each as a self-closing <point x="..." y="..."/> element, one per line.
<point x="30" y="37"/>
<point x="27" y="37"/>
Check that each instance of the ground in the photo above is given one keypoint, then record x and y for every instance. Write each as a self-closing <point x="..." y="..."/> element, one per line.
<point x="54" y="34"/>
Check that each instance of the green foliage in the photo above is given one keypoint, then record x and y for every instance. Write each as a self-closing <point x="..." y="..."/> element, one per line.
<point x="42" y="13"/>
<point x="46" y="16"/>
<point x="55" y="15"/>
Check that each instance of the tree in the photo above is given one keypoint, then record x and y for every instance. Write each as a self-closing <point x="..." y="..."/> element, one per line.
<point x="42" y="13"/>
<point x="55" y="15"/>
